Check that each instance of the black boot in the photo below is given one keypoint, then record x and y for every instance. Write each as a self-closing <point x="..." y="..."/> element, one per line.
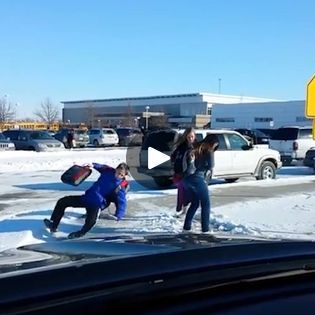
<point x="49" y="225"/>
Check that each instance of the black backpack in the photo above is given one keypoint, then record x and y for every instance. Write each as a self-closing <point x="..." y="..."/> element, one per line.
<point x="179" y="159"/>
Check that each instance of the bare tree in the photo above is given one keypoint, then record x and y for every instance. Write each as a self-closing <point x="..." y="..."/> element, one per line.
<point x="128" y="120"/>
<point x="48" y="111"/>
<point x="159" y="121"/>
<point x="7" y="111"/>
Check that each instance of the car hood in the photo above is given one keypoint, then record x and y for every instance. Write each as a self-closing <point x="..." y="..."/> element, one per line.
<point x="63" y="270"/>
<point x="45" y="141"/>
<point x="64" y="252"/>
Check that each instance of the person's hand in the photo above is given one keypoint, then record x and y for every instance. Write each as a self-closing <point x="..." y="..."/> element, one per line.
<point x="76" y="234"/>
<point x="87" y="165"/>
<point x="115" y="218"/>
<point x="109" y="216"/>
<point x="191" y="157"/>
<point x="208" y="175"/>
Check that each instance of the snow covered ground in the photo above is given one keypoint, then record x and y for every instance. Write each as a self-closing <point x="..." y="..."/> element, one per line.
<point x="30" y="185"/>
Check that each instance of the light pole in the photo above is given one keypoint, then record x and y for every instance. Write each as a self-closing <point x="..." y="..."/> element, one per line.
<point x="147" y="117"/>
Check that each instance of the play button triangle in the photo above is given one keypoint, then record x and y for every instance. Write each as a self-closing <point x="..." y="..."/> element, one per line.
<point x="156" y="158"/>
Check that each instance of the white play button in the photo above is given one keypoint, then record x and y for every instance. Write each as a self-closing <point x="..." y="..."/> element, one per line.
<point x="156" y="158"/>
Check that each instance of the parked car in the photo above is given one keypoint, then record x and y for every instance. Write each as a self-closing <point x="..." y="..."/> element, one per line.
<point x="5" y="144"/>
<point x="268" y="131"/>
<point x="129" y="136"/>
<point x="25" y="139"/>
<point x="255" y="135"/>
<point x="236" y="157"/>
<point x="80" y="136"/>
<point x="292" y="142"/>
<point x="103" y="137"/>
<point x="51" y="132"/>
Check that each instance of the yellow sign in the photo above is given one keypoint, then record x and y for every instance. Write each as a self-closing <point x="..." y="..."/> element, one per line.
<point x="313" y="129"/>
<point x="310" y="99"/>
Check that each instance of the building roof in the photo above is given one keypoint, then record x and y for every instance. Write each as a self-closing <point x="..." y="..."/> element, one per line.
<point x="163" y="99"/>
<point x="133" y="98"/>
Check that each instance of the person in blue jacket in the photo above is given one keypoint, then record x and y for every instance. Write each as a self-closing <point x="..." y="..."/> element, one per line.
<point x="110" y="187"/>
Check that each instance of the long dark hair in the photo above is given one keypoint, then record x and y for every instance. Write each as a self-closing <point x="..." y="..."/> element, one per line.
<point x="207" y="145"/>
<point x="183" y="138"/>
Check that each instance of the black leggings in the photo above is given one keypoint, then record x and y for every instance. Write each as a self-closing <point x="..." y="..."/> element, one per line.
<point x="74" y="202"/>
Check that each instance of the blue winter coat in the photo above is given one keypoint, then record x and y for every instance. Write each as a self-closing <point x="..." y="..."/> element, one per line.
<point x="104" y="191"/>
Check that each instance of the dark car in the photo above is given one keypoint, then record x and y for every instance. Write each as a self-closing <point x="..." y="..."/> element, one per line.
<point x="255" y="135"/>
<point x="129" y="136"/>
<point x="5" y="144"/>
<point x="267" y="131"/>
<point x="80" y="137"/>
<point x="159" y="274"/>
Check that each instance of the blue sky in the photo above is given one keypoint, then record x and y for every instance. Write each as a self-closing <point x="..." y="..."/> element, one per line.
<point x="71" y="50"/>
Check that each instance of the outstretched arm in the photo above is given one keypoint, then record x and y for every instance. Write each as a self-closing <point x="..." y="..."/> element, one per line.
<point x="101" y="167"/>
<point x="210" y="166"/>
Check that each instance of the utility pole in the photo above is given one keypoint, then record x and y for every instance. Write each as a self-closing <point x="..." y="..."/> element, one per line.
<point x="147" y="117"/>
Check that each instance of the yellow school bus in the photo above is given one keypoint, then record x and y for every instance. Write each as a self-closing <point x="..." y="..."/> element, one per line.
<point x="30" y="125"/>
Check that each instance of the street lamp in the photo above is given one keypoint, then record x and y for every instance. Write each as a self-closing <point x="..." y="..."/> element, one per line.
<point x="137" y="121"/>
<point x="147" y="117"/>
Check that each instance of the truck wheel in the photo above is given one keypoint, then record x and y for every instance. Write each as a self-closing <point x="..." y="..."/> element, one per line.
<point x="163" y="181"/>
<point x="286" y="161"/>
<point x="231" y="180"/>
<point x="267" y="171"/>
<point x="95" y="143"/>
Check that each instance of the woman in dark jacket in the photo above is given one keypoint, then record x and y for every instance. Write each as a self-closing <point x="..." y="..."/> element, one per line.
<point x="110" y="187"/>
<point x="200" y="164"/>
<point x="178" y="159"/>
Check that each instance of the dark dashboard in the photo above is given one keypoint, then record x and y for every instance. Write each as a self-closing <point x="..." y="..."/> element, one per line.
<point x="161" y="274"/>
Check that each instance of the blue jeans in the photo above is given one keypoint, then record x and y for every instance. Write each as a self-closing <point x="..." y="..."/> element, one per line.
<point x="198" y="189"/>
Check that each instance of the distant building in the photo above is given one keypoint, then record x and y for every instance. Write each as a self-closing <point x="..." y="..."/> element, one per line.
<point x="259" y="115"/>
<point x="178" y="110"/>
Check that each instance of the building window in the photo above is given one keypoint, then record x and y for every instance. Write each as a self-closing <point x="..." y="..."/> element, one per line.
<point x="227" y="119"/>
<point x="263" y="119"/>
<point x="301" y="118"/>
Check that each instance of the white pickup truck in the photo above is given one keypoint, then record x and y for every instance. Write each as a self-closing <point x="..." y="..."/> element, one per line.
<point x="235" y="157"/>
<point x="292" y="142"/>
